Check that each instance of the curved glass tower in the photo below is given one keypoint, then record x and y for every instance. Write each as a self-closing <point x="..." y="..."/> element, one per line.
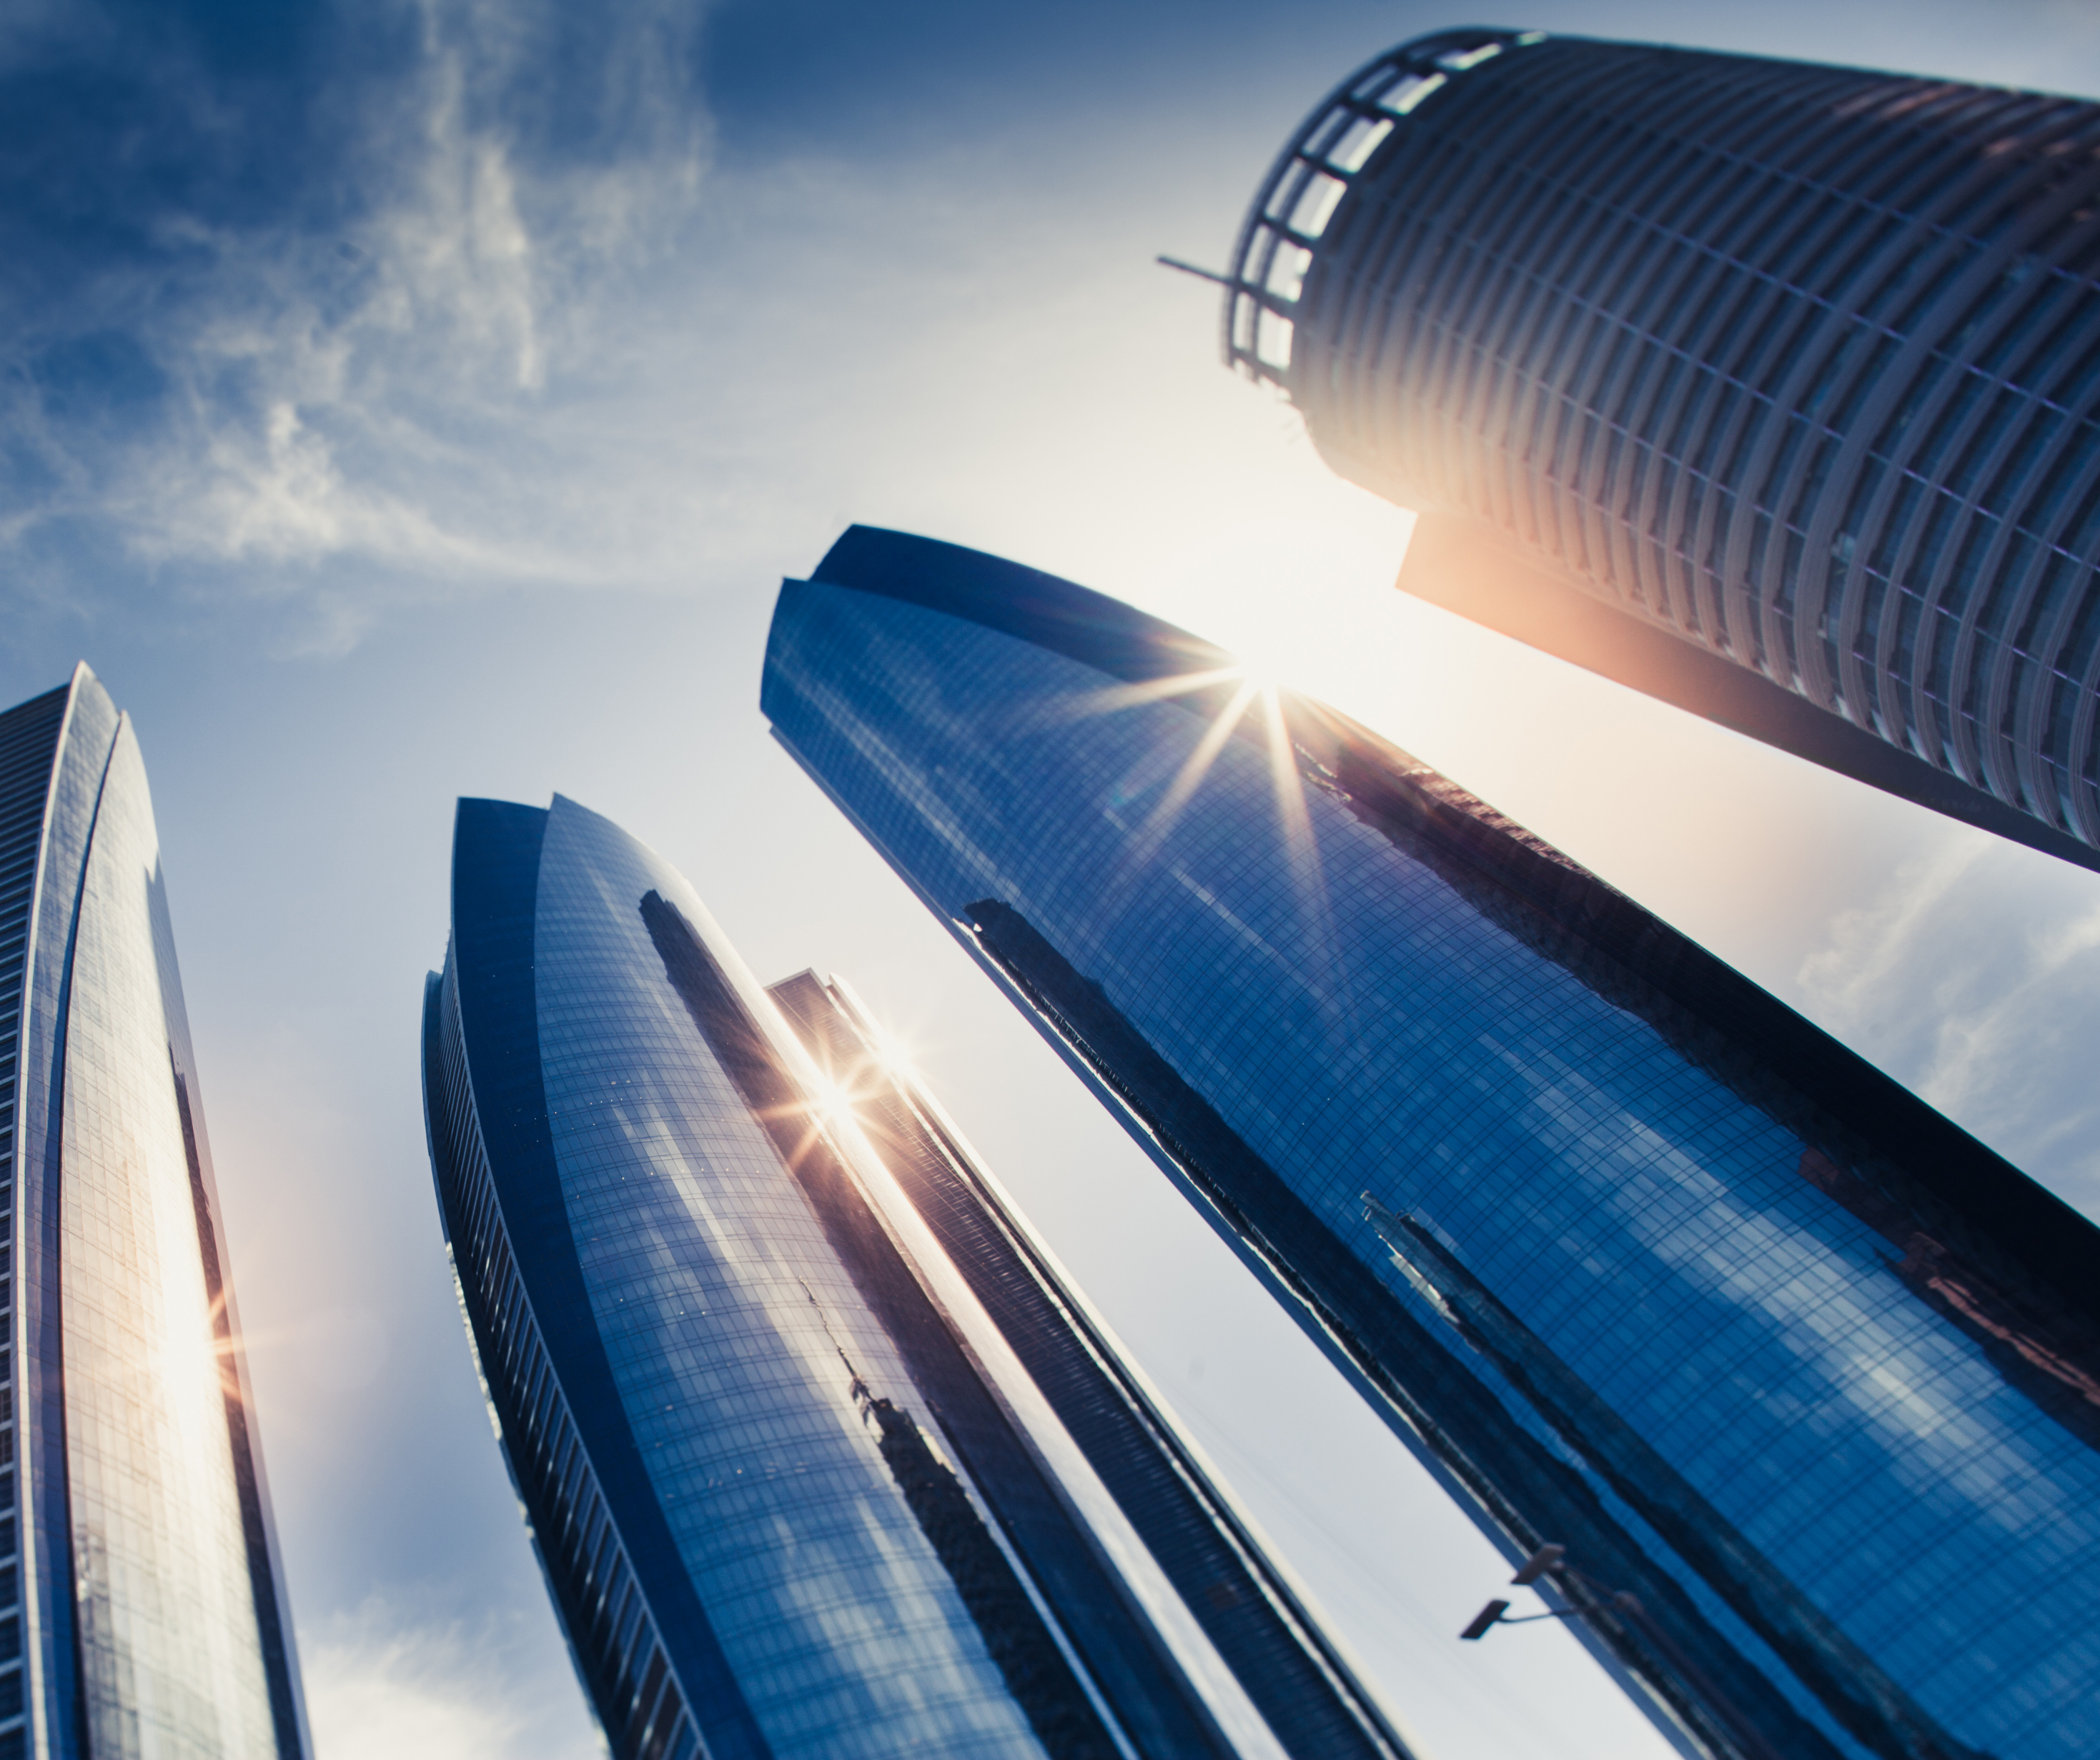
<point x="1289" y="1669"/>
<point x="1805" y="1380"/>
<point x="142" y="1611"/>
<point x="1768" y="388"/>
<point x="793" y="1494"/>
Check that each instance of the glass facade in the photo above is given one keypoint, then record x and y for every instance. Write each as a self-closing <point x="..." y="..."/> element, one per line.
<point x="1285" y="1665"/>
<point x="785" y="1503"/>
<point x="144" y="1609"/>
<point x="1797" y="365"/>
<point x="1641" y="1264"/>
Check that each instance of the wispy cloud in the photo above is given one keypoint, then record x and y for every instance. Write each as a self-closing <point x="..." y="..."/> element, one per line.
<point x="289" y="339"/>
<point x="510" y="321"/>
<point x="379" y="1687"/>
<point x="1974" y="977"/>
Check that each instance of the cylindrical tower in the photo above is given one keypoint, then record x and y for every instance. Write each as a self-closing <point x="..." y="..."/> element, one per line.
<point x="1798" y="365"/>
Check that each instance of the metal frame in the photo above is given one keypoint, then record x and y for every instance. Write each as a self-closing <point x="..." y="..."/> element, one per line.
<point x="1306" y="184"/>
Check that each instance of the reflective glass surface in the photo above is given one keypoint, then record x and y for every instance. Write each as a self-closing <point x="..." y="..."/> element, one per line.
<point x="1270" y="1641"/>
<point x="714" y="1292"/>
<point x="153" y="1608"/>
<point x="1795" y="362"/>
<point x="740" y="1424"/>
<point x="170" y="1652"/>
<point x="28" y="738"/>
<point x="1644" y="1264"/>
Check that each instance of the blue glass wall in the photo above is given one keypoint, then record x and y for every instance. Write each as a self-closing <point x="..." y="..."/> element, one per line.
<point x="780" y="1511"/>
<point x="1641" y="1262"/>
<point x="141" y="1607"/>
<point x="1288" y="1668"/>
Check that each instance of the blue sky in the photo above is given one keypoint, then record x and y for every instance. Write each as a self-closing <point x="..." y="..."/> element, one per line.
<point x="409" y="400"/>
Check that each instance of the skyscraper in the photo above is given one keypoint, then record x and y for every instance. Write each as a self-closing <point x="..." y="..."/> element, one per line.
<point x="1767" y="388"/>
<point x="142" y="1609"/>
<point x="1638" y="1262"/>
<point x="793" y="1491"/>
<point x="1276" y="1649"/>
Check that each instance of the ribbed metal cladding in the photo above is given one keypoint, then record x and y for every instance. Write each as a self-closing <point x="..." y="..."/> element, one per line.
<point x="1801" y="363"/>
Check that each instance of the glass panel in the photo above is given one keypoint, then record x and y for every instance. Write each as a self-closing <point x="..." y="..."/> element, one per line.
<point x="170" y="1652"/>
<point x="1379" y="1006"/>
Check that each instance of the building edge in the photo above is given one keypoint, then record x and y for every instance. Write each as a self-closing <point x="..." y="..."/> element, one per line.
<point x="1460" y="565"/>
<point x="1353" y="1367"/>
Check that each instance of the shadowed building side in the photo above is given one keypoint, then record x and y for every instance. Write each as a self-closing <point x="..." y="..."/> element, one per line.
<point x="1463" y="566"/>
<point x="1796" y="366"/>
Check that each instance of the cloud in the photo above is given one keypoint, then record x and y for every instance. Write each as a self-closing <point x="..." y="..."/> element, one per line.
<point x="291" y="314"/>
<point x="1973" y="977"/>
<point x="379" y="1687"/>
<point x="477" y="305"/>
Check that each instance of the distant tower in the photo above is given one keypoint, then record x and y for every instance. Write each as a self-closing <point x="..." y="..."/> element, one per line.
<point x="819" y="1460"/>
<point x="1273" y="1645"/>
<point x="1770" y="389"/>
<point x="142" y="1609"/>
<point x="1637" y="1260"/>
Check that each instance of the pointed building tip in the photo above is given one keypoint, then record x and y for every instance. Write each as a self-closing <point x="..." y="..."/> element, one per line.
<point x="86" y="683"/>
<point x="559" y="802"/>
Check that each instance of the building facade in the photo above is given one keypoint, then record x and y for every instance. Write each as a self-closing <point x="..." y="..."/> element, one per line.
<point x="142" y="1607"/>
<point x="793" y="1494"/>
<point x="1640" y="1263"/>
<point x="1767" y="387"/>
<point x="1289" y="1669"/>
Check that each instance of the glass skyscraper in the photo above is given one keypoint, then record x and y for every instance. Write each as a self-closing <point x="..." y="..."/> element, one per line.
<point x="142" y="1609"/>
<point x="820" y="1459"/>
<point x="1275" y="1649"/>
<point x="1642" y="1264"/>
<point x="1768" y="388"/>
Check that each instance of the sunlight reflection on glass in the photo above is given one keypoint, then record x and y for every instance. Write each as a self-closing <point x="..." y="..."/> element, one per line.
<point x="1116" y="696"/>
<point x="1301" y="851"/>
<point x="1253" y="682"/>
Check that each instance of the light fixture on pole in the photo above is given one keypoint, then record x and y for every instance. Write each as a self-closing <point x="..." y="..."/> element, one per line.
<point x="1542" y="1563"/>
<point x="1625" y="1609"/>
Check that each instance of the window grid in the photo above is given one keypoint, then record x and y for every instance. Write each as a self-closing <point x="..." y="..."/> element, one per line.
<point x="1487" y="321"/>
<point x="1365" y="1017"/>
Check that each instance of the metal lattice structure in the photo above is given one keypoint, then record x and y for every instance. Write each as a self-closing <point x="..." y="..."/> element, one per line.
<point x="1306" y="184"/>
